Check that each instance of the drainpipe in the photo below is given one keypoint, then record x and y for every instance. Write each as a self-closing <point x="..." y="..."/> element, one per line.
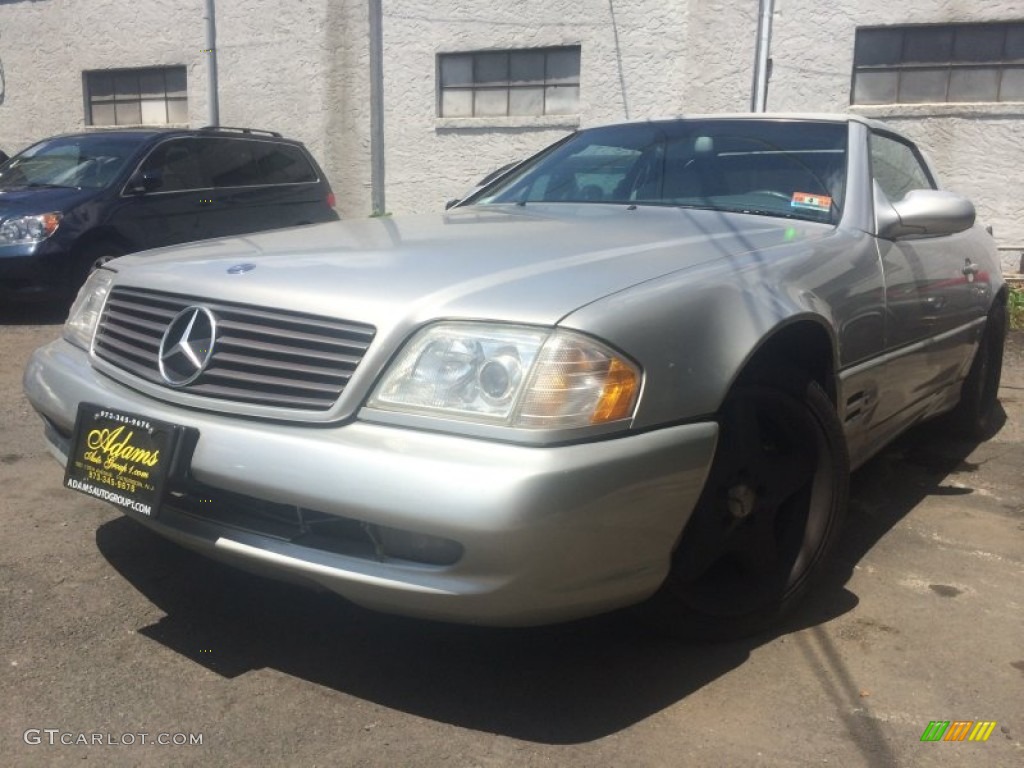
<point x="212" y="99"/>
<point x="376" y="107"/>
<point x="759" y="97"/>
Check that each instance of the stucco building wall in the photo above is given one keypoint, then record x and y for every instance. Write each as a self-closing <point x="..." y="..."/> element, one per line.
<point x="976" y="148"/>
<point x="632" y="61"/>
<point x="301" y="67"/>
<point x="46" y="45"/>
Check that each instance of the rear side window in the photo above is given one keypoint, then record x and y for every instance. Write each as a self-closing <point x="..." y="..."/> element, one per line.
<point x="244" y="163"/>
<point x="229" y="162"/>
<point x="284" y="164"/>
<point x="897" y="167"/>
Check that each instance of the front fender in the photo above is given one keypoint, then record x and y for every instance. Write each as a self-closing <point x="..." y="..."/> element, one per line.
<point x="693" y="332"/>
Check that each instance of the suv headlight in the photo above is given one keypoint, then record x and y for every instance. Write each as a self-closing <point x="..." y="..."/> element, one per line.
<point x="85" y="312"/>
<point x="516" y="376"/>
<point x="19" y="230"/>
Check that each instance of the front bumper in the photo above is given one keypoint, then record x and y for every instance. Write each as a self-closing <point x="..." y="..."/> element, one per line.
<point x="547" y="533"/>
<point x="33" y="271"/>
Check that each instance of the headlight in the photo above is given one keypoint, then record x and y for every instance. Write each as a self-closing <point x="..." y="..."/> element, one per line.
<point x="85" y="312"/>
<point x="516" y="376"/>
<point x="29" y="229"/>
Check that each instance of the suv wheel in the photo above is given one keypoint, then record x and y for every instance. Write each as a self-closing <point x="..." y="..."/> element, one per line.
<point x="89" y="258"/>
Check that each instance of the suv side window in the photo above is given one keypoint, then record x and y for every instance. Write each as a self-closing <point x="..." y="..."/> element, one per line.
<point x="897" y="167"/>
<point x="245" y="163"/>
<point x="283" y="164"/>
<point x="177" y="164"/>
<point x="230" y="162"/>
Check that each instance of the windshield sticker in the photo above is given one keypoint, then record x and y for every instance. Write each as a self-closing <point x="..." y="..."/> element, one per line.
<point x="813" y="202"/>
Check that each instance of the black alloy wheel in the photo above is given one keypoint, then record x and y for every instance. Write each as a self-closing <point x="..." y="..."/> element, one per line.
<point x="771" y="509"/>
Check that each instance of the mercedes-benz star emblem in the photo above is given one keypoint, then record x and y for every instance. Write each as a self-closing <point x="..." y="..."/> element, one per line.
<point x="187" y="345"/>
<point x="240" y="269"/>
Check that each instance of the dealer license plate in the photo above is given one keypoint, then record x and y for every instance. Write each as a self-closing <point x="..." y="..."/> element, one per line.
<point x="120" y="457"/>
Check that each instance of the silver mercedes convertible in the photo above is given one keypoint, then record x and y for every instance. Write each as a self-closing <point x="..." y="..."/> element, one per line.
<point x="636" y="369"/>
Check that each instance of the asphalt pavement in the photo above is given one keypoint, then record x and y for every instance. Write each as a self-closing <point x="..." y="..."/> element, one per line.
<point x="113" y="640"/>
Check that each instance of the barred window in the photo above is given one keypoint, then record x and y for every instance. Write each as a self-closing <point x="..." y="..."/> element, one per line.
<point x="535" y="81"/>
<point x="151" y="96"/>
<point x="939" y="63"/>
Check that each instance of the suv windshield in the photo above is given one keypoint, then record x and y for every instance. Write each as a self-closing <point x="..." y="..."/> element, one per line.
<point x="768" y="167"/>
<point x="74" y="161"/>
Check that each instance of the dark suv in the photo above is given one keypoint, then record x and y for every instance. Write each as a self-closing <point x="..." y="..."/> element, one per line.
<point x="70" y="202"/>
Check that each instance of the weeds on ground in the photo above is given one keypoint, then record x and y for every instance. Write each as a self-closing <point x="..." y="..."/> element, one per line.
<point x="1017" y="308"/>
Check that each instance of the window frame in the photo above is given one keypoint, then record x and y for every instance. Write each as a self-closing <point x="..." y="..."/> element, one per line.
<point x="91" y="85"/>
<point x="941" y="63"/>
<point x="477" y="85"/>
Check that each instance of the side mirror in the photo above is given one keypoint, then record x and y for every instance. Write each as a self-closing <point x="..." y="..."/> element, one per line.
<point x="923" y="213"/>
<point x="142" y="182"/>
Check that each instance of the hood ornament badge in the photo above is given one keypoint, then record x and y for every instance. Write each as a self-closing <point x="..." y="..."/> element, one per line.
<point x="239" y="269"/>
<point x="187" y="345"/>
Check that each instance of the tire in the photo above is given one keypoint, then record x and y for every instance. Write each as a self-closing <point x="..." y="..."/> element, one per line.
<point x="771" y="510"/>
<point x="975" y="415"/>
<point x="89" y="258"/>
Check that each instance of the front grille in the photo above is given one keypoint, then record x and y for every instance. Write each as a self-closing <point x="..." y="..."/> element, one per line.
<point x="261" y="356"/>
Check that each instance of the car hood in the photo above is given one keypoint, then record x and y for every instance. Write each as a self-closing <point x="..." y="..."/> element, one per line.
<point x="528" y="264"/>
<point x="20" y="201"/>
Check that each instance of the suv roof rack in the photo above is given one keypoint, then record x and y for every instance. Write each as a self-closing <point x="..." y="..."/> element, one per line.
<point x="211" y="128"/>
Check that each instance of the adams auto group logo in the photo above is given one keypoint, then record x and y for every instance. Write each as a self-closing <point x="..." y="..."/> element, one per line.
<point x="958" y="730"/>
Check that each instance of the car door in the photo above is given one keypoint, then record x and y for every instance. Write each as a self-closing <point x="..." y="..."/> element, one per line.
<point x="931" y="298"/>
<point x="165" y="211"/>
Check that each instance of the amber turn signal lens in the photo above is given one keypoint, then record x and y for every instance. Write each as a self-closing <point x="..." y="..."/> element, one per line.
<point x="50" y="223"/>
<point x="618" y="394"/>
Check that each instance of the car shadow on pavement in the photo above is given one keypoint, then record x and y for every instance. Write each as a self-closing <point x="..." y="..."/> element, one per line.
<point x="557" y="685"/>
<point x="565" y="684"/>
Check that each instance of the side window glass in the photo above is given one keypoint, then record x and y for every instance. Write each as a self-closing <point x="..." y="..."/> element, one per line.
<point x="283" y="164"/>
<point x="897" y="167"/>
<point x="230" y="162"/>
<point x="177" y="165"/>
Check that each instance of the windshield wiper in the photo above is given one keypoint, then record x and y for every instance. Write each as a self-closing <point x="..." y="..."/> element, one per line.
<point x="695" y="207"/>
<point x="760" y="212"/>
<point x="44" y="185"/>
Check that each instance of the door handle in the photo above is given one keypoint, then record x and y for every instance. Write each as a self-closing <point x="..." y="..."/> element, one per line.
<point x="970" y="270"/>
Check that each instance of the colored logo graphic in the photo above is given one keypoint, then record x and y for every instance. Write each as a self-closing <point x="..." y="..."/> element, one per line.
<point x="958" y="730"/>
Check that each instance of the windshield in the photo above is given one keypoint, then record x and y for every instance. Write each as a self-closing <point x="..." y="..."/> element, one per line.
<point x="769" y="167"/>
<point x="74" y="161"/>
